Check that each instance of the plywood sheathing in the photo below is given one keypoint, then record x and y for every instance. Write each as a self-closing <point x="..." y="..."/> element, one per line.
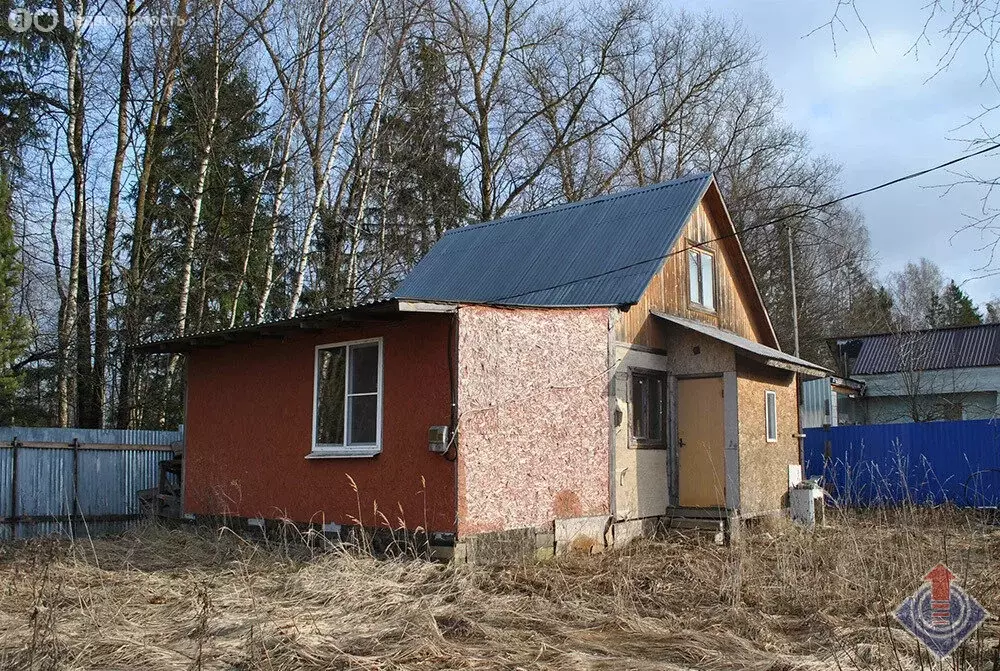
<point x="737" y="306"/>
<point x="764" y="466"/>
<point x="533" y="416"/>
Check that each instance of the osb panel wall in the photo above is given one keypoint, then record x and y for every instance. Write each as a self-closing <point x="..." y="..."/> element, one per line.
<point x="764" y="465"/>
<point x="692" y="353"/>
<point x="736" y="306"/>
<point x="642" y="476"/>
<point x="533" y="416"/>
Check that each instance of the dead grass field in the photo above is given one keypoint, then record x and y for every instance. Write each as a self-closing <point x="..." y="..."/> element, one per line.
<point x="779" y="599"/>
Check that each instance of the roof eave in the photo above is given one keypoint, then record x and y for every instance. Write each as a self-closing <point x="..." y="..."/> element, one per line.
<point x="392" y="309"/>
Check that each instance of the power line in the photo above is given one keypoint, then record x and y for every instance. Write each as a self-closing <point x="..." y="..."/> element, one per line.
<point x="752" y="227"/>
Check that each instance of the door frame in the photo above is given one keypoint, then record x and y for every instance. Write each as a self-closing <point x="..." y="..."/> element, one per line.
<point x="731" y="438"/>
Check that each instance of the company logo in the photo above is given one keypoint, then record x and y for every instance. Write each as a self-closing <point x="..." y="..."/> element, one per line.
<point x="940" y="614"/>
<point x="21" y="20"/>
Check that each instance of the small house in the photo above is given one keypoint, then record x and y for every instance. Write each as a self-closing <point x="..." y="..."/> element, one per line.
<point x="589" y="368"/>
<point x="919" y="376"/>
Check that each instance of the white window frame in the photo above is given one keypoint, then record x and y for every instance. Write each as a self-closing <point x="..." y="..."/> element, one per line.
<point x="700" y="288"/>
<point x="770" y="397"/>
<point x="334" y="451"/>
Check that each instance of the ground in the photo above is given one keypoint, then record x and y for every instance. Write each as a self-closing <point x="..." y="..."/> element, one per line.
<point x="780" y="598"/>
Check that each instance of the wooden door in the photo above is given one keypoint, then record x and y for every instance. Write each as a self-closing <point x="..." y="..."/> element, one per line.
<point x="701" y="434"/>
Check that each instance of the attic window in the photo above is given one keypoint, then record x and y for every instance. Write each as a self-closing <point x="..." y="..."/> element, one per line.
<point x="347" y="402"/>
<point x="701" y="278"/>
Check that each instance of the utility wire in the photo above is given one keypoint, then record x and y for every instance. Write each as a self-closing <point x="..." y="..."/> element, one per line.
<point x="752" y="227"/>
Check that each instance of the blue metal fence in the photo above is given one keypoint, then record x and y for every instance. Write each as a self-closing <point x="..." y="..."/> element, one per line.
<point x="925" y="463"/>
<point x="76" y="480"/>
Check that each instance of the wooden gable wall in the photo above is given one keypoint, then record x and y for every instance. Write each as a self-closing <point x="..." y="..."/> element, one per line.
<point x="737" y="306"/>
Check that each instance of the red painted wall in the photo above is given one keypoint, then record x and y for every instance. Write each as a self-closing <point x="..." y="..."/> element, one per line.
<point x="249" y="429"/>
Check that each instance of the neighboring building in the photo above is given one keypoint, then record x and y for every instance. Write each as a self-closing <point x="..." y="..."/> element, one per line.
<point x="919" y="376"/>
<point x="606" y="362"/>
<point x="820" y="400"/>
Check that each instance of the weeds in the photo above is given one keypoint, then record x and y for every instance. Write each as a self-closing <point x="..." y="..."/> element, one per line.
<point x="781" y="598"/>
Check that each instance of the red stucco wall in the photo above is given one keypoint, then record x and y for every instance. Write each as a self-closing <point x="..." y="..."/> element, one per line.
<point x="249" y="429"/>
<point x="533" y="416"/>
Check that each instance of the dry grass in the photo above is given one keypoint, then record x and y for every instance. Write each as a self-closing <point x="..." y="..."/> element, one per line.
<point x="780" y="599"/>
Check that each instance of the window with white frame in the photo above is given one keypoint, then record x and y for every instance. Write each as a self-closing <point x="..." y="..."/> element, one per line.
<point x="771" y="416"/>
<point x="701" y="278"/>
<point x="347" y="410"/>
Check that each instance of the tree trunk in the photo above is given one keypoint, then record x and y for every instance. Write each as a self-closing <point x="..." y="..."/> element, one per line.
<point x="132" y="322"/>
<point x="102" y="335"/>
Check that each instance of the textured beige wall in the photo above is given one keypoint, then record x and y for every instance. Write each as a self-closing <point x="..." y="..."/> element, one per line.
<point x="764" y="465"/>
<point x="533" y="416"/>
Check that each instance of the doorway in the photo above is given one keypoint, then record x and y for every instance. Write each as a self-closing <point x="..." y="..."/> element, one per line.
<point x="701" y="459"/>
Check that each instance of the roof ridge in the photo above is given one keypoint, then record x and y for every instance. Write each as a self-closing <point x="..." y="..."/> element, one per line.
<point x="581" y="203"/>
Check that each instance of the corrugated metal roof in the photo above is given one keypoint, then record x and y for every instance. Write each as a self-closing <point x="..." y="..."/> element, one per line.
<point x="181" y="343"/>
<point x="960" y="347"/>
<point x="742" y="343"/>
<point x="601" y="251"/>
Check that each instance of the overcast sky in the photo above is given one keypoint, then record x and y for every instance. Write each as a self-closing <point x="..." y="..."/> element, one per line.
<point x="880" y="114"/>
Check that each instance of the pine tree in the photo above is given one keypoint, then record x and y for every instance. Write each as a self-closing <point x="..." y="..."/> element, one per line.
<point x="956" y="308"/>
<point x="13" y="329"/>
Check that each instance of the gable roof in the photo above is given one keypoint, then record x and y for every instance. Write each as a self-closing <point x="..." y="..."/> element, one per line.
<point x="597" y="252"/>
<point x="932" y="349"/>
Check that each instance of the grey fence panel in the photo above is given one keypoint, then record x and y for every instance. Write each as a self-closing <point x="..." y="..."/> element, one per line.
<point x="44" y="485"/>
<point x="6" y="477"/>
<point x="90" y="436"/>
<point x="109" y="479"/>
<point x="38" y="484"/>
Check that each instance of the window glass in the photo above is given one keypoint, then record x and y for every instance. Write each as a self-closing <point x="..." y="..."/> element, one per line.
<point x="771" y="400"/>
<point x="364" y="369"/>
<point x="330" y="396"/>
<point x="707" y="282"/>
<point x="647" y="407"/>
<point x="693" y="274"/>
<point x="362" y="419"/>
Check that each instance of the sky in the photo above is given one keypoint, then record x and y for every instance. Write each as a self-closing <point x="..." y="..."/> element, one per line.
<point x="878" y="109"/>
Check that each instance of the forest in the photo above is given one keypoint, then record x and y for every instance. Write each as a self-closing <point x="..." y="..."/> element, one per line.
<point x="175" y="166"/>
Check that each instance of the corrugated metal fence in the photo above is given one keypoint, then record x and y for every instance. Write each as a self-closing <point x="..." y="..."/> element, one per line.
<point x="74" y="481"/>
<point x="927" y="462"/>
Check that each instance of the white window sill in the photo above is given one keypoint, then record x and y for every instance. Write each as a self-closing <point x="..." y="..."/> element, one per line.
<point x="344" y="452"/>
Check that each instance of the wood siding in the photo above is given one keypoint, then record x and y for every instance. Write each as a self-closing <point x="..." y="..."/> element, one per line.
<point x="737" y="306"/>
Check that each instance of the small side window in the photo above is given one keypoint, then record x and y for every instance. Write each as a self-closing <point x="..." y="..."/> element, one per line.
<point x="771" y="416"/>
<point x="647" y="408"/>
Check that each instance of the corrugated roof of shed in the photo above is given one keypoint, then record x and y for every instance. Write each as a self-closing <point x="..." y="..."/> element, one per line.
<point x="601" y="251"/>
<point x="935" y="349"/>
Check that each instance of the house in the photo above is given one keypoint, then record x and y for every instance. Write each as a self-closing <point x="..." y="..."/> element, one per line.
<point x="821" y="398"/>
<point x="918" y="376"/>
<point x="585" y="368"/>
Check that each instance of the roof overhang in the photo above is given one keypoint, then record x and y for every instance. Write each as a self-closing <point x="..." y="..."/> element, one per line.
<point x="768" y="356"/>
<point x="847" y="385"/>
<point x="381" y="311"/>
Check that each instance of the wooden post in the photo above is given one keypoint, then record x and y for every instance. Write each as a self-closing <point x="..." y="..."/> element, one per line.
<point x="76" y="486"/>
<point x="795" y="302"/>
<point x="14" y="444"/>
